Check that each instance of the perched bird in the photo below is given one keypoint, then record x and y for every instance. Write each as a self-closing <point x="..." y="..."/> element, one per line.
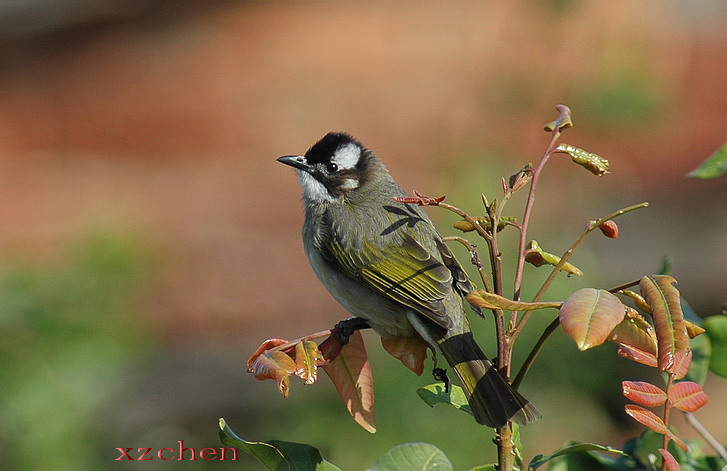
<point x="386" y="264"/>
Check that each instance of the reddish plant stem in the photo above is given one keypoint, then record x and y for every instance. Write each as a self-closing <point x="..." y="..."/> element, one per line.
<point x="526" y="221"/>
<point x="667" y="407"/>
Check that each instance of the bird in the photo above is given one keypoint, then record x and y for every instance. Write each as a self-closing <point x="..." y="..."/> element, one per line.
<point x="387" y="265"/>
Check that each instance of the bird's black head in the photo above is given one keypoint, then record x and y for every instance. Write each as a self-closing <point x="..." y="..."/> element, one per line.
<point x="336" y="164"/>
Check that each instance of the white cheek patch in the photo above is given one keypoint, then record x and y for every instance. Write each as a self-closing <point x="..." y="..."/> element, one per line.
<point x="313" y="190"/>
<point x="349" y="184"/>
<point x="347" y="157"/>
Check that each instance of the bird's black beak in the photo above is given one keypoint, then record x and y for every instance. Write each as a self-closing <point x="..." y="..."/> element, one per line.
<point x="296" y="161"/>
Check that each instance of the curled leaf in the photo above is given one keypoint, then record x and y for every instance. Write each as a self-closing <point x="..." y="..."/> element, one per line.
<point x="687" y="396"/>
<point x="486" y="300"/>
<point x="266" y="345"/>
<point x="589" y="316"/>
<point x="307" y="360"/>
<point x="636" y="332"/>
<point x="536" y="256"/>
<point x="643" y="393"/>
<point x="594" y="163"/>
<point x="564" y="120"/>
<point x="275" y="365"/>
<point x="411" y="351"/>
<point x="350" y="373"/>
<point x="671" y="331"/>
<point x="520" y="178"/>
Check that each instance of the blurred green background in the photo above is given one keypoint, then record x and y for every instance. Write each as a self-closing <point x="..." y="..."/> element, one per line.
<point x="150" y="242"/>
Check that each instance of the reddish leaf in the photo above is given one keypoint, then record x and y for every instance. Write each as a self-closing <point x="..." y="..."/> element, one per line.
<point x="635" y="332"/>
<point x="351" y="374"/>
<point x="680" y="443"/>
<point x="307" y="361"/>
<point x="266" y="345"/>
<point x="643" y="393"/>
<point x="274" y="365"/>
<point x="682" y="362"/>
<point x="671" y="463"/>
<point x="637" y="355"/>
<point x="646" y="417"/>
<point x="331" y="347"/>
<point x="687" y="396"/>
<point x="589" y="316"/>
<point x="411" y="351"/>
<point x="671" y="332"/>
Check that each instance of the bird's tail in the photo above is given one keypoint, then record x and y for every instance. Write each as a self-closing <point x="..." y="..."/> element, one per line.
<point x="493" y="400"/>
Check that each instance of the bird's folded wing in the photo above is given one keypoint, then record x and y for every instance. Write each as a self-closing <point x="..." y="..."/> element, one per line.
<point x="404" y="272"/>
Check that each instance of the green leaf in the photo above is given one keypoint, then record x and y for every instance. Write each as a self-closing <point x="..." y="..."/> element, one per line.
<point x="435" y="394"/>
<point x="714" y="166"/>
<point x="278" y="455"/>
<point x="589" y="316"/>
<point x="716" y="327"/>
<point x="413" y="457"/>
<point x="540" y="460"/>
<point x="594" y="163"/>
<point x="485" y="300"/>
<point x="487" y="467"/>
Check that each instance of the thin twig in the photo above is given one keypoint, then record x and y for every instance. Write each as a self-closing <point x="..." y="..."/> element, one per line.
<point x="535" y="351"/>
<point x="696" y="425"/>
<point x="474" y="258"/>
<point x="526" y="221"/>
<point x="546" y="284"/>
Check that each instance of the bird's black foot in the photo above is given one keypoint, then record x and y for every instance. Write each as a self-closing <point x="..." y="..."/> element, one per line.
<point x="440" y="374"/>
<point x="346" y="328"/>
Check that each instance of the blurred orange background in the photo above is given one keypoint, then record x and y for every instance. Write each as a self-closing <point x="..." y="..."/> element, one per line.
<point x="161" y="121"/>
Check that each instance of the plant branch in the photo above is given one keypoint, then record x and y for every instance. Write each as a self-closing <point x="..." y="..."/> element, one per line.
<point x="526" y="219"/>
<point x="708" y="437"/>
<point x="546" y="284"/>
<point x="534" y="352"/>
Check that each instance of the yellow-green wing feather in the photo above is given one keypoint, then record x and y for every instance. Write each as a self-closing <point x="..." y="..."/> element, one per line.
<point x="408" y="274"/>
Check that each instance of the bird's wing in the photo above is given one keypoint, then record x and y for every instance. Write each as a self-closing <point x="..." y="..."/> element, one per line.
<point x="407" y="273"/>
<point x="461" y="280"/>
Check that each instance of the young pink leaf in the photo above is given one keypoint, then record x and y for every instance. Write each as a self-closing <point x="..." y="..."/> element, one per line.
<point x="646" y="417"/>
<point x="682" y="362"/>
<point x="411" y="351"/>
<point x="274" y="365"/>
<point x="671" y="462"/>
<point x="637" y="355"/>
<point x="351" y="374"/>
<point x="679" y="442"/>
<point x="687" y="396"/>
<point x="643" y="393"/>
<point x="671" y="331"/>
<point x="589" y="315"/>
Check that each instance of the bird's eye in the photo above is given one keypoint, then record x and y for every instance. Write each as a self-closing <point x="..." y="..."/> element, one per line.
<point x="332" y="168"/>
